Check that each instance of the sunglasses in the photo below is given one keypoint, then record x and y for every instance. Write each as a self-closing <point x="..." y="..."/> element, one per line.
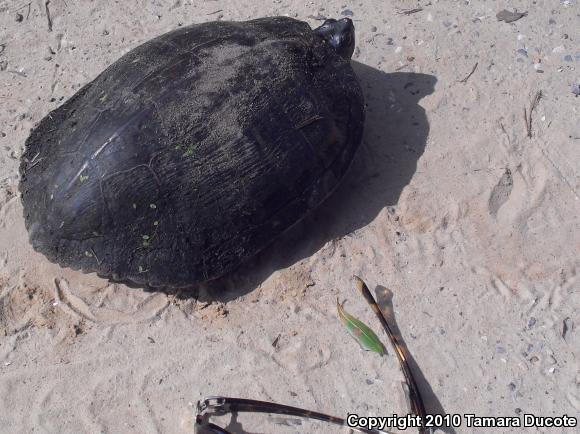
<point x="220" y="405"/>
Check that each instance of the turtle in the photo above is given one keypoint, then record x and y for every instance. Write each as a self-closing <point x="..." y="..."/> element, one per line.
<point x="194" y="151"/>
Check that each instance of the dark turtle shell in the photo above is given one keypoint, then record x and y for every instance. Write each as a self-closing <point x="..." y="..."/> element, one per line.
<point x="192" y="152"/>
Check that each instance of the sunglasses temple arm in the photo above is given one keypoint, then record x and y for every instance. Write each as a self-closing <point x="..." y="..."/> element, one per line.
<point x="240" y="405"/>
<point x="417" y="404"/>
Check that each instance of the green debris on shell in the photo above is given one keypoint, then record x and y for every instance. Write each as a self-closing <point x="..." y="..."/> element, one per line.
<point x="103" y="99"/>
<point x="155" y="223"/>
<point x="190" y="150"/>
<point x="83" y="178"/>
<point x="88" y="254"/>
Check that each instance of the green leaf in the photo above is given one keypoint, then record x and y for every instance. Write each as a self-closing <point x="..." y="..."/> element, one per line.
<point x="366" y="338"/>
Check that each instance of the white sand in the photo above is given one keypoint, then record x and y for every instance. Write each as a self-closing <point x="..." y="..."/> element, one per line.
<point x="472" y="225"/>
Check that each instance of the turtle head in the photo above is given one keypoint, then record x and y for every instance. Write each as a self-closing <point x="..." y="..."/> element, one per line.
<point x="339" y="34"/>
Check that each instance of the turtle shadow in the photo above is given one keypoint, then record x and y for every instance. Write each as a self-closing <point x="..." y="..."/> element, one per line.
<point x="395" y="136"/>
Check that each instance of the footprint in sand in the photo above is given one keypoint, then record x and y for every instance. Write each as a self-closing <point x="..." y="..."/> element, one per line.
<point x="114" y="304"/>
<point x="501" y="192"/>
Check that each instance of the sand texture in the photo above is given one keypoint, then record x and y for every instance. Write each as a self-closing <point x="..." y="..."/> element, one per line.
<point x="467" y="219"/>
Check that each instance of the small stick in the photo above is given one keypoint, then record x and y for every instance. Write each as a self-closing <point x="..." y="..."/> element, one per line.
<point x="96" y="257"/>
<point x="470" y="74"/>
<point x="528" y="114"/>
<point x="505" y="132"/>
<point x="410" y="11"/>
<point x="34" y="161"/>
<point x="215" y="12"/>
<point x="46" y="3"/>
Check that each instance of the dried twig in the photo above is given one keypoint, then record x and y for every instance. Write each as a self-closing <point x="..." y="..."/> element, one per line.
<point x="215" y="12"/>
<point x="96" y="257"/>
<point x="528" y="113"/>
<point x="410" y="11"/>
<point x="505" y="132"/>
<point x="470" y="74"/>
<point x="46" y="3"/>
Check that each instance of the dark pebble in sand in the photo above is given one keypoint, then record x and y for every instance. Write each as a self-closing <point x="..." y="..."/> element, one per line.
<point x="522" y="52"/>
<point x="509" y="17"/>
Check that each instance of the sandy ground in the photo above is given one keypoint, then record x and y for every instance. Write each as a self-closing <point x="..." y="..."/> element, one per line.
<point x="473" y="226"/>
